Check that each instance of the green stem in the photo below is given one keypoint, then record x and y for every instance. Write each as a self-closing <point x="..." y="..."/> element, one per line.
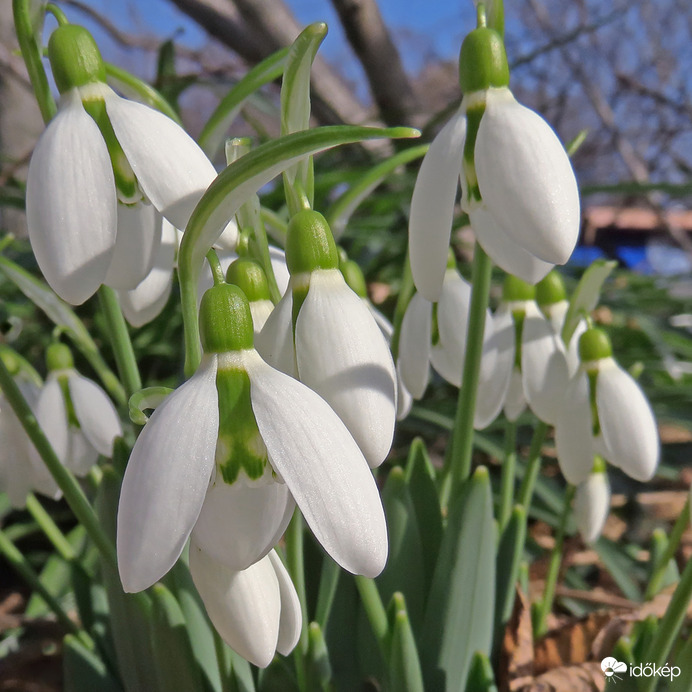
<point x="329" y="580"/>
<point x="120" y="341"/>
<point x="406" y="291"/>
<point x="217" y="274"/>
<point x="546" y="604"/>
<point x="32" y="54"/>
<point x="374" y="609"/>
<point x="66" y="482"/>
<point x="16" y="560"/>
<point x="265" y="259"/>
<point x="659" y="570"/>
<point x="462" y="437"/>
<point x="57" y="13"/>
<point x="669" y="626"/>
<point x="533" y="466"/>
<point x="296" y="568"/>
<point x="50" y="528"/>
<point x="508" y="474"/>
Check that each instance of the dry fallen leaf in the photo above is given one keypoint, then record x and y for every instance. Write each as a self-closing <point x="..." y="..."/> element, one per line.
<point x="516" y="657"/>
<point x="586" y="677"/>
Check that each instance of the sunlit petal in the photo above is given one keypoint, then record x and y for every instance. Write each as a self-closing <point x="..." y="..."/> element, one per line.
<point x="291" y="616"/>
<point x="275" y="341"/>
<point x="414" y="345"/>
<point x="591" y="506"/>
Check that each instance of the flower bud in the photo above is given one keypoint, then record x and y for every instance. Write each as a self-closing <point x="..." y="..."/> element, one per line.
<point x="249" y="276"/>
<point x="550" y="290"/>
<point x="514" y="289"/>
<point x="594" y="344"/>
<point x="74" y="58"/>
<point x="482" y="61"/>
<point x="310" y="243"/>
<point x="59" y="357"/>
<point x="225" y="322"/>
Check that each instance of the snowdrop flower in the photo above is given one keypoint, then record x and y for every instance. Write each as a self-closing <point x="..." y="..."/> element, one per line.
<point x="435" y="334"/>
<point x="605" y="412"/>
<point x="256" y="610"/>
<point x="356" y="281"/>
<point x="76" y="415"/>
<point x="530" y="365"/>
<point x="98" y="172"/>
<point x="322" y="333"/>
<point x="518" y="187"/>
<point x="21" y="469"/>
<point x="226" y="454"/>
<point x="592" y="502"/>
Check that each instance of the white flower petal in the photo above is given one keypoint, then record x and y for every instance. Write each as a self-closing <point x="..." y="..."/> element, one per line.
<point x="323" y="467"/>
<point x="515" y="401"/>
<point x="260" y="311"/>
<point x="15" y="468"/>
<point x="239" y="524"/>
<point x="136" y="244"/>
<point x="95" y="412"/>
<point x="432" y="207"/>
<point x="404" y="399"/>
<point x="573" y="432"/>
<point x="627" y="423"/>
<point x="171" y="169"/>
<point x="503" y="249"/>
<point x="244" y="607"/>
<point x="414" y="345"/>
<point x="556" y="313"/>
<point x="526" y="179"/>
<point x="142" y="304"/>
<point x="543" y="365"/>
<point x="342" y="354"/>
<point x="229" y="237"/>
<point x="281" y="274"/>
<point x="275" y="341"/>
<point x="291" y="616"/>
<point x="591" y="506"/>
<point x="494" y="383"/>
<point x="166" y="480"/>
<point x="52" y="417"/>
<point x="81" y="454"/>
<point x="71" y="203"/>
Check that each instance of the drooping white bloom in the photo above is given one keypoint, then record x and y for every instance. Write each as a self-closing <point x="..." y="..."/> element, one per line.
<point x="518" y="188"/>
<point x="591" y="505"/>
<point x="445" y="350"/>
<point x="339" y="352"/>
<point x="537" y="377"/>
<point x="21" y="469"/>
<point x="624" y="430"/>
<point x="183" y="473"/>
<point x="256" y="611"/>
<point x="76" y="415"/>
<point x="322" y="333"/>
<point x="79" y="231"/>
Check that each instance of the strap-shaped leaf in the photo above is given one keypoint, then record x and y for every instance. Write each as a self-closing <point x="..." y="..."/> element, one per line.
<point x="458" y="618"/>
<point x="215" y="131"/>
<point x="84" y="670"/>
<point x="404" y="665"/>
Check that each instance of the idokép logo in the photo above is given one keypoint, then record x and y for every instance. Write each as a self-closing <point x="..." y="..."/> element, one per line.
<point x="615" y="670"/>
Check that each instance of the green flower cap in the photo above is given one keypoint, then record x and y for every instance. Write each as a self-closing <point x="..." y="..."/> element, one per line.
<point x="514" y="289"/>
<point x="551" y="290"/>
<point x="59" y="357"/>
<point x="74" y="58"/>
<point x="354" y="278"/>
<point x="483" y="61"/>
<point x="309" y="243"/>
<point x="249" y="276"/>
<point x="594" y="344"/>
<point x="225" y="322"/>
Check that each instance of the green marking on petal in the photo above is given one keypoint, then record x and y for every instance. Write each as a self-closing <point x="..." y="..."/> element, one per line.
<point x="240" y="446"/>
<point x="69" y="406"/>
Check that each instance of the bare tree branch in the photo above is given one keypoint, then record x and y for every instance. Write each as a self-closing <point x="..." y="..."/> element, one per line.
<point x="254" y="30"/>
<point x="372" y="43"/>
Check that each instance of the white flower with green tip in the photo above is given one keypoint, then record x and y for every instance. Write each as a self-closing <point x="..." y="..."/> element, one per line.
<point x="256" y="610"/>
<point x="76" y="415"/>
<point x="605" y="412"/>
<point x="239" y="426"/>
<point x="518" y="187"/>
<point x="592" y="503"/>
<point x="322" y="333"/>
<point x="100" y="156"/>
